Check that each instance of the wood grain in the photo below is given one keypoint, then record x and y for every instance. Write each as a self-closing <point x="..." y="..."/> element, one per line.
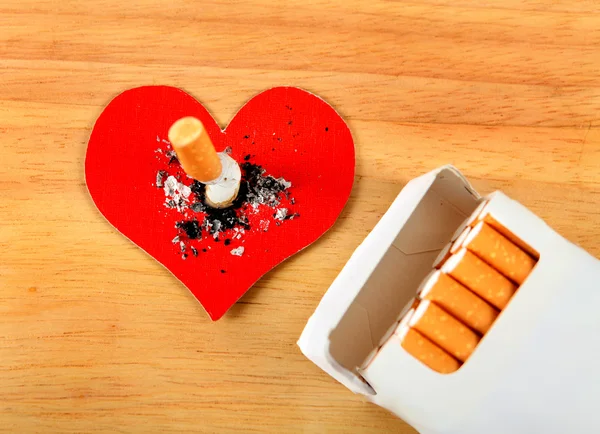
<point x="97" y="337"/>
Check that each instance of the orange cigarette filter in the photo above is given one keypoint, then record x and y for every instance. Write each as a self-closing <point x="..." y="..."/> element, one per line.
<point x="495" y="224"/>
<point x="425" y="351"/>
<point x="499" y="252"/>
<point x="480" y="278"/>
<point x="457" y="300"/>
<point x="443" y="329"/>
<point x="194" y="149"/>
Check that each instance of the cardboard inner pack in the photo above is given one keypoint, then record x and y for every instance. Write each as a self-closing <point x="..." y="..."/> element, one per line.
<point x="535" y="370"/>
<point x="409" y="258"/>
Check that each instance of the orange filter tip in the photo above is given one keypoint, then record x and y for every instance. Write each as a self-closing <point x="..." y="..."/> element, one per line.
<point x="479" y="277"/>
<point x="459" y="301"/>
<point x="444" y="330"/>
<point x="424" y="350"/>
<point x="195" y="151"/>
<point x="500" y="252"/>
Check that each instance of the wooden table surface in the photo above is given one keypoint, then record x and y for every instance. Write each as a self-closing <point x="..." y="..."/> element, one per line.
<point x="95" y="336"/>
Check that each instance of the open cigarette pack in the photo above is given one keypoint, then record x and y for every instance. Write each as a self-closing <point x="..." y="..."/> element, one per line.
<point x="465" y="314"/>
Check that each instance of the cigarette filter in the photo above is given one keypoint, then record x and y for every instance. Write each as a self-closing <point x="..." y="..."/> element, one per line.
<point x="425" y="351"/>
<point x="499" y="252"/>
<point x="457" y="300"/>
<point x="480" y="278"/>
<point x="490" y="220"/>
<point x="444" y="330"/>
<point x="195" y="150"/>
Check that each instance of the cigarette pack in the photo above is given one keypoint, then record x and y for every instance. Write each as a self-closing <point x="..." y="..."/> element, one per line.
<point x="536" y="370"/>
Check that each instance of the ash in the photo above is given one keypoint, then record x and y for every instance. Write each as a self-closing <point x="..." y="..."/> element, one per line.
<point x="239" y="251"/>
<point x="176" y="194"/>
<point x="263" y="190"/>
<point x="280" y="214"/>
<point x="200" y="222"/>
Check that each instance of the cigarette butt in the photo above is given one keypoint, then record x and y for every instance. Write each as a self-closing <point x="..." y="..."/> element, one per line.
<point x="459" y="301"/>
<point x="194" y="149"/>
<point x="425" y="351"/>
<point x="443" y="256"/>
<point x="480" y="278"/>
<point x="499" y="252"/>
<point x="487" y="217"/>
<point x="475" y="214"/>
<point x="222" y="192"/>
<point x="444" y="330"/>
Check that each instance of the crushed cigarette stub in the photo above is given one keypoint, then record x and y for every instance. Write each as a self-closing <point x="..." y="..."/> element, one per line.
<point x="457" y="300"/>
<point x="222" y="194"/>
<point x="480" y="278"/>
<point x="444" y="330"/>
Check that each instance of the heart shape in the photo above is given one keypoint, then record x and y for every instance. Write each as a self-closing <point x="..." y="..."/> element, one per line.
<point x="287" y="131"/>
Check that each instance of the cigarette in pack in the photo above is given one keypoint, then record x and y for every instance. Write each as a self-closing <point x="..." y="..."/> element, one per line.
<point x="479" y="277"/>
<point x="443" y="329"/>
<point x="487" y="217"/>
<point x="499" y="252"/>
<point x="422" y="349"/>
<point x="459" y="301"/>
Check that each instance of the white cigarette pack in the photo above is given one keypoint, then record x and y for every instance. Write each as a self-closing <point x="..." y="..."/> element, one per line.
<point x="537" y="370"/>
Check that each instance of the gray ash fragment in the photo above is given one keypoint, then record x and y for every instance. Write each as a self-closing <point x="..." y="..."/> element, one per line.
<point x="198" y="207"/>
<point x="215" y="226"/>
<point x="184" y="256"/>
<point x="172" y="156"/>
<point x="280" y="214"/>
<point x="194" y="251"/>
<point x="160" y="176"/>
<point x="239" y="251"/>
<point x="175" y="240"/>
<point x="182" y="246"/>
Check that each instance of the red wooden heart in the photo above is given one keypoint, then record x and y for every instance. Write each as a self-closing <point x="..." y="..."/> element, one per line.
<point x="289" y="132"/>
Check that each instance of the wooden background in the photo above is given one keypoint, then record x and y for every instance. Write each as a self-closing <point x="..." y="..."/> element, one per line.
<point x="97" y="337"/>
